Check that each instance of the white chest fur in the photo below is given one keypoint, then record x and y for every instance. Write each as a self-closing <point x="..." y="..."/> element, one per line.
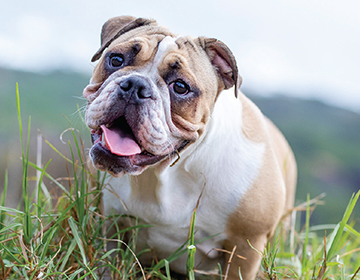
<point x="223" y="164"/>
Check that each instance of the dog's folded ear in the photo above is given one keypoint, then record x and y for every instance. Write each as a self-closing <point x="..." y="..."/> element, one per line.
<point x="224" y="62"/>
<point x="117" y="26"/>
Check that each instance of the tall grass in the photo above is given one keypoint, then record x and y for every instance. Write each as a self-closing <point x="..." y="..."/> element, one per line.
<point x="67" y="238"/>
<point x="325" y="256"/>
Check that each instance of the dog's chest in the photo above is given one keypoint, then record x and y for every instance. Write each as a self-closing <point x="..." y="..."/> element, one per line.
<point x="170" y="200"/>
<point x="168" y="205"/>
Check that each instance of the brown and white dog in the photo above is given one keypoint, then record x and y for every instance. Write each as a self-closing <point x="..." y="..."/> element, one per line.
<point x="155" y="98"/>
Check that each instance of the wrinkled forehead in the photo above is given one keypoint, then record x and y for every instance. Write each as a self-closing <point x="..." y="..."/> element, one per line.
<point x="158" y="53"/>
<point x="146" y="38"/>
<point x="156" y="44"/>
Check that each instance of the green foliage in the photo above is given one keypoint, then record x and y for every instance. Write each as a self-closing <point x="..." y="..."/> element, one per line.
<point x="310" y="256"/>
<point x="191" y="248"/>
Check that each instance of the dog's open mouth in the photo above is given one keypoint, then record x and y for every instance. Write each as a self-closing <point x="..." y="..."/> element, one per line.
<point x="118" y="140"/>
<point x="116" y="149"/>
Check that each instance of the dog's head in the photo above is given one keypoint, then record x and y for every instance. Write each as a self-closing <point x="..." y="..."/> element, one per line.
<point x="152" y="93"/>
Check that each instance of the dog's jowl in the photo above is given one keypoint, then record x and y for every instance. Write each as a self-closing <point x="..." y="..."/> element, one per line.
<point x="156" y="98"/>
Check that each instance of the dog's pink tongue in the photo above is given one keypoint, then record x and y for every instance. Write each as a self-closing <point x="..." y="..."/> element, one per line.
<point x="120" y="143"/>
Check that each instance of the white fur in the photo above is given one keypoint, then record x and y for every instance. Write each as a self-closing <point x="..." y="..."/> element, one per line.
<point x="223" y="164"/>
<point x="164" y="47"/>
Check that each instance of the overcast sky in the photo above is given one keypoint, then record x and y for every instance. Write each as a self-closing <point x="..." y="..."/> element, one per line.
<point x="305" y="48"/>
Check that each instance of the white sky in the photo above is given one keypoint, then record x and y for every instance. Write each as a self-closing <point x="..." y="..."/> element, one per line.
<point x="307" y="48"/>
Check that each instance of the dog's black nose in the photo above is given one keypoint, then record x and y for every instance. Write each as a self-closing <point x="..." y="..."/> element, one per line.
<point x="136" y="87"/>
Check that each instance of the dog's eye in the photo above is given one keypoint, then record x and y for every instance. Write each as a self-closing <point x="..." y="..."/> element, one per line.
<point x="116" y="60"/>
<point x="180" y="87"/>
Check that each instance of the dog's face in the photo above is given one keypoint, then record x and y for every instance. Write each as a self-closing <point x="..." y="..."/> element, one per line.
<point x="151" y="93"/>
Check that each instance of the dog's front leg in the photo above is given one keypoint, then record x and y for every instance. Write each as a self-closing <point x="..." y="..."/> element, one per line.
<point x="249" y="266"/>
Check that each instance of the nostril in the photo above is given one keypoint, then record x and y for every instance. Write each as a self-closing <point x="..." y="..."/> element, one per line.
<point x="135" y="88"/>
<point x="143" y="93"/>
<point x="126" y="85"/>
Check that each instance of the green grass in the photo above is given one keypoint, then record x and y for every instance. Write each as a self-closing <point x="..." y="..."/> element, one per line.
<point x="65" y="238"/>
<point x="316" y="256"/>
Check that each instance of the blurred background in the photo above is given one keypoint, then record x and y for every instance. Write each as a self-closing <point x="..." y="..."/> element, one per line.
<point x="299" y="60"/>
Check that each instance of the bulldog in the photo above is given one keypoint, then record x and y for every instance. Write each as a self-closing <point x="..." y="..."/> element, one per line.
<point x="169" y="123"/>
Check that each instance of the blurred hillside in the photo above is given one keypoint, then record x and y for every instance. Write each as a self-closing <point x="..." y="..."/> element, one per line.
<point x="326" y="143"/>
<point x="51" y="100"/>
<point x="325" y="139"/>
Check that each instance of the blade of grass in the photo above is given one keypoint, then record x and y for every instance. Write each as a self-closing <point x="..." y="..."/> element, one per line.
<point x="26" y="194"/>
<point x="57" y="151"/>
<point x="352" y="230"/>
<point x="39" y="192"/>
<point x="76" y="143"/>
<point x="75" y="232"/>
<point x="83" y="187"/>
<point x="79" y="197"/>
<point x="8" y="251"/>
<point x="191" y="248"/>
<point x="75" y="275"/>
<point x="9" y="210"/>
<point x="27" y="225"/>
<point x="172" y="257"/>
<point x="38" y="163"/>
<point x="240" y="276"/>
<point x="336" y="235"/>
<point x="2" y="214"/>
<point x="46" y="244"/>
<point x="323" y="267"/>
<point x="69" y="251"/>
<point x="100" y="182"/>
<point x="51" y="178"/>
<point x="133" y="254"/>
<point x="167" y="269"/>
<point x="19" y="118"/>
<point x="304" y="266"/>
<point x="354" y="275"/>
